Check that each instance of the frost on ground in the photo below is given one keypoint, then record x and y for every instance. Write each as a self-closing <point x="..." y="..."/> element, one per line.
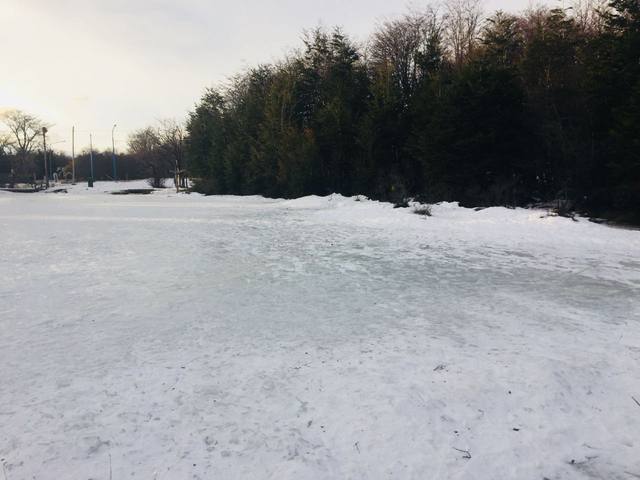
<point x="177" y="336"/>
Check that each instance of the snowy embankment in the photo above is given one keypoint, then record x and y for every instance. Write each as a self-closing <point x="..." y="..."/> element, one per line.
<point x="177" y="336"/>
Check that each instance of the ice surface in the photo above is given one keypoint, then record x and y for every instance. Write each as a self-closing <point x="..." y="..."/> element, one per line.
<point x="178" y="336"/>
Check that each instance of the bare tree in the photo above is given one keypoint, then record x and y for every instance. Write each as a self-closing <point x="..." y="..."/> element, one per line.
<point x="462" y="20"/>
<point x="5" y="144"/>
<point x="144" y="144"/>
<point x="25" y="137"/>
<point x="398" y="47"/>
<point x="588" y="14"/>
<point x="171" y="136"/>
<point x="394" y="51"/>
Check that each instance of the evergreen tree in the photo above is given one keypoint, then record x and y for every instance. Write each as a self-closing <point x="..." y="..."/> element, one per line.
<point x="536" y="107"/>
<point x="206" y="143"/>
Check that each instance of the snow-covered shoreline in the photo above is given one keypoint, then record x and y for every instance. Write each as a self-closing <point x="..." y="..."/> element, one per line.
<point x="180" y="336"/>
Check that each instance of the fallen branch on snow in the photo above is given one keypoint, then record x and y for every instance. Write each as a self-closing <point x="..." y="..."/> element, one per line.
<point x="467" y="453"/>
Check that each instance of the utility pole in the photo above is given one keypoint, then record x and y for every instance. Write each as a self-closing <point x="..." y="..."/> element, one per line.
<point x="73" y="155"/>
<point x="91" y="159"/>
<point x="46" y="165"/>
<point x="113" y="154"/>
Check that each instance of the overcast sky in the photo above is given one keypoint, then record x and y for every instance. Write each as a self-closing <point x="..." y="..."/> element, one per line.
<point x="93" y="63"/>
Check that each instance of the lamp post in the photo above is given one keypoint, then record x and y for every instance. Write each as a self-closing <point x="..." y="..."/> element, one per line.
<point x="91" y="159"/>
<point x="113" y="154"/>
<point x="46" y="165"/>
<point x="73" y="155"/>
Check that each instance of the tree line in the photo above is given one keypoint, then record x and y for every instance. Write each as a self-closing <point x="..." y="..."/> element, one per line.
<point x="156" y="152"/>
<point x="440" y="105"/>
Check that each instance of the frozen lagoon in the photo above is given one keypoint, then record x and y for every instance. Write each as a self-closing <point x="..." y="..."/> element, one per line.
<point x="178" y="336"/>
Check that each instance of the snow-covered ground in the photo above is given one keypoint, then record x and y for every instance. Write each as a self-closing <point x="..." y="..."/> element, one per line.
<point x="178" y="336"/>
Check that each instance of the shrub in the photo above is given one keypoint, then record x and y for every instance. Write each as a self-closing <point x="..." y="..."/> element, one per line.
<point x="424" y="210"/>
<point x="157" y="182"/>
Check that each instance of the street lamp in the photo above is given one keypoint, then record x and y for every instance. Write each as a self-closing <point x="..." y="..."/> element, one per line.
<point x="113" y="154"/>
<point x="91" y="159"/>
<point x="46" y="166"/>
